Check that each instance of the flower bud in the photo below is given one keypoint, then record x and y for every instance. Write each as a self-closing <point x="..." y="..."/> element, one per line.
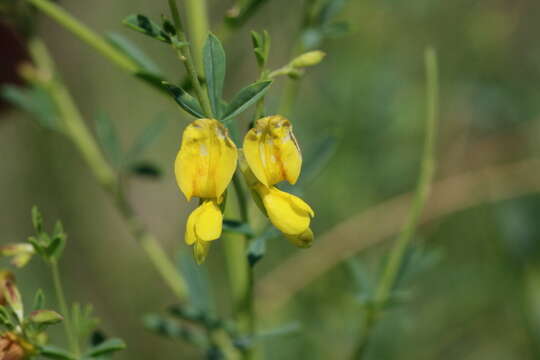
<point x="272" y="152"/>
<point x="206" y="161"/>
<point x="203" y="226"/>
<point x="310" y="58"/>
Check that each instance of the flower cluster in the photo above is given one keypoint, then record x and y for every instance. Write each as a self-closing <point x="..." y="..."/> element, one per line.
<point x="207" y="161"/>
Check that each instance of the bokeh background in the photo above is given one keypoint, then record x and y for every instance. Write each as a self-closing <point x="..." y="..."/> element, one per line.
<point x="472" y="285"/>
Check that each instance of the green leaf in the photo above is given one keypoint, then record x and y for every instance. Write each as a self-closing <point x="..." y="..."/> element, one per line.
<point x="132" y="51"/>
<point x="330" y="10"/>
<point x="39" y="300"/>
<point x="36" y="101"/>
<point x="214" y="69"/>
<point x="168" y="26"/>
<point x="185" y="100"/>
<point x="106" y="347"/>
<point x="198" y="283"/>
<point x="261" y="47"/>
<point x="45" y="317"/>
<point x="37" y="220"/>
<point x="54" y="352"/>
<point x="149" y="134"/>
<point x="108" y="138"/>
<point x="143" y="24"/>
<point x="172" y="329"/>
<point x="287" y="329"/>
<point x="245" y="98"/>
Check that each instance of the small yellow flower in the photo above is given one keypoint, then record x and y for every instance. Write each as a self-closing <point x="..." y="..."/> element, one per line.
<point x="206" y="161"/>
<point x="204" y="168"/>
<point x="272" y="151"/>
<point x="203" y="226"/>
<point x="288" y="213"/>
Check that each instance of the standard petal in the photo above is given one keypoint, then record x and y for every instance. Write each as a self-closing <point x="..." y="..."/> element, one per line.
<point x="255" y="155"/>
<point x="291" y="158"/>
<point x="287" y="212"/>
<point x="227" y="159"/>
<point x="209" y="222"/>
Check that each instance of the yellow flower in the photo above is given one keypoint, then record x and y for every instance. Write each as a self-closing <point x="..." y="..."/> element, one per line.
<point x="203" y="226"/>
<point x="272" y="152"/>
<point x="206" y="161"/>
<point x="204" y="167"/>
<point x="288" y="213"/>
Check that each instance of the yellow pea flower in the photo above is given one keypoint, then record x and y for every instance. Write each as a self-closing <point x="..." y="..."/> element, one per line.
<point x="288" y="213"/>
<point x="272" y="152"/>
<point x="203" y="226"/>
<point x="206" y="161"/>
<point x="204" y="168"/>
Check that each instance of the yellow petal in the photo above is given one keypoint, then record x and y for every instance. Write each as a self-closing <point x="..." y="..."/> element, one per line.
<point x="304" y="240"/>
<point x="253" y="154"/>
<point x="206" y="161"/>
<point x="209" y="222"/>
<point x="272" y="152"/>
<point x="190" y="237"/>
<point x="200" y="250"/>
<point x="290" y="214"/>
<point x="226" y="160"/>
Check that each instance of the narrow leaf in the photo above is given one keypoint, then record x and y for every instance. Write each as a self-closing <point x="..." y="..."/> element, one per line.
<point x="133" y="52"/>
<point x="108" y="138"/>
<point x="214" y="68"/>
<point x="37" y="219"/>
<point x="145" y="169"/>
<point x="106" y="347"/>
<point x="149" y="134"/>
<point x="54" y="352"/>
<point x="36" y="101"/>
<point x="39" y="300"/>
<point x="245" y="98"/>
<point x="185" y="100"/>
<point x="143" y="24"/>
<point x="198" y="284"/>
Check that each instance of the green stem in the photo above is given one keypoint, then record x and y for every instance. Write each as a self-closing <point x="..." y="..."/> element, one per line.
<point x="68" y="325"/>
<point x="79" y="133"/>
<point x="85" y="34"/>
<point x="198" y="28"/>
<point x="184" y="53"/>
<point x="395" y="261"/>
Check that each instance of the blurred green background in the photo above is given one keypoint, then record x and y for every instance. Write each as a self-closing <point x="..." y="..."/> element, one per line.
<point x="475" y="293"/>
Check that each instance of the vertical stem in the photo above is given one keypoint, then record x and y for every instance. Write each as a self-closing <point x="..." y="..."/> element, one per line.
<point x="68" y="325"/>
<point x="197" y="16"/>
<point x="184" y="53"/>
<point x="395" y="260"/>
